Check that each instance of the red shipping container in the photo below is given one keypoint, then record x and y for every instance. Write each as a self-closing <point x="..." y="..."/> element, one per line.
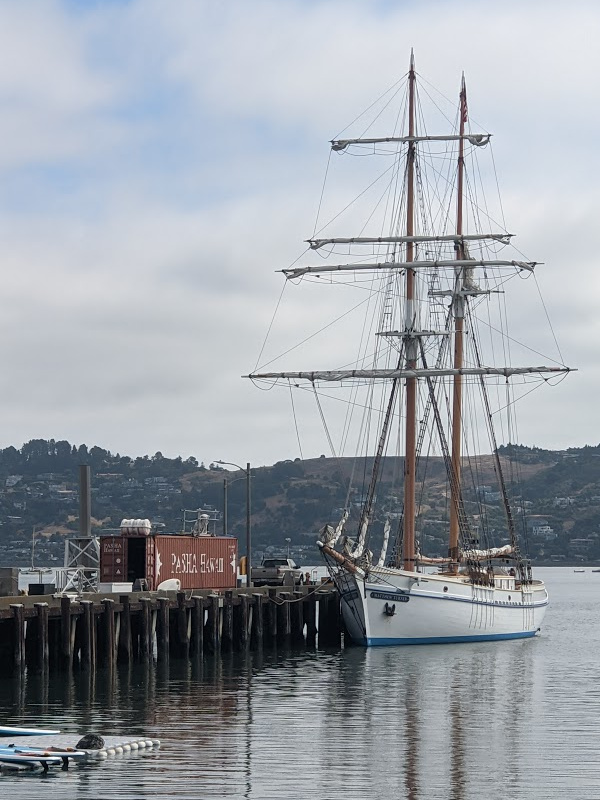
<point x="199" y="562"/>
<point x="113" y="559"/>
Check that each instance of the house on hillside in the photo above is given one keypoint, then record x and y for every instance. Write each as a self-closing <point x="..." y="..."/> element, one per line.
<point x="563" y="502"/>
<point x="539" y="527"/>
<point x="581" y="546"/>
<point x="492" y="497"/>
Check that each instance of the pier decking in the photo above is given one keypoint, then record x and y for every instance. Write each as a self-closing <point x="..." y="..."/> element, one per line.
<point x="101" y="630"/>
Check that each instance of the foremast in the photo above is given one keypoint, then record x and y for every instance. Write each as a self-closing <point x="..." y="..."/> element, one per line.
<point x="458" y="313"/>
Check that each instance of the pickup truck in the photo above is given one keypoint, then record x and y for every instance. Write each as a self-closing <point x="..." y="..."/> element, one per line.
<point x="277" y="572"/>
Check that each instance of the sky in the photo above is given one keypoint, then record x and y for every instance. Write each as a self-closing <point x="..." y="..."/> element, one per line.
<point x="161" y="159"/>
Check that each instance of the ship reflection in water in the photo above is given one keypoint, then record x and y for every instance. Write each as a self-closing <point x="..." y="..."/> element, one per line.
<point x="442" y="722"/>
<point x="434" y="722"/>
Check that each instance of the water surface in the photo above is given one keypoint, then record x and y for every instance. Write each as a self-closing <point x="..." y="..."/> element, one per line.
<point x="458" y="722"/>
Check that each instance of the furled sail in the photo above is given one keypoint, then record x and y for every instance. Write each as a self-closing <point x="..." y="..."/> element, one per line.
<point x="330" y="535"/>
<point x="469" y="555"/>
<point x="389" y="374"/>
<point x="492" y="552"/>
<point x="477" y="139"/>
<point x="298" y="272"/>
<point x="503" y="238"/>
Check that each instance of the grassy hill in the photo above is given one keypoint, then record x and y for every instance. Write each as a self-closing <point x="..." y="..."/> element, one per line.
<point x="290" y="499"/>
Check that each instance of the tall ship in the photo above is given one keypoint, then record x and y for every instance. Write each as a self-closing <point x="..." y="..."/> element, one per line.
<point x="432" y="389"/>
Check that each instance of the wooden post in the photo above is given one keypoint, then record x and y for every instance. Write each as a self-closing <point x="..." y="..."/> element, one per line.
<point x="87" y="634"/>
<point x="173" y="622"/>
<point x="76" y="631"/>
<point x="162" y="629"/>
<point x="256" y="632"/>
<point x="43" y="652"/>
<point x="284" y="629"/>
<point x="322" y="618"/>
<point x="329" y="620"/>
<point x="227" y="632"/>
<point x="18" y="637"/>
<point x="324" y="622"/>
<point x="73" y="637"/>
<point x="145" y="630"/>
<point x="108" y="624"/>
<point x="54" y="642"/>
<point x="310" y="615"/>
<point x="66" y="640"/>
<point x="297" y="619"/>
<point x="272" y="619"/>
<point x="125" y="652"/>
<point x="197" y="638"/>
<point x="213" y="623"/>
<point x="244" y="613"/>
<point x="335" y="619"/>
<point x="183" y="636"/>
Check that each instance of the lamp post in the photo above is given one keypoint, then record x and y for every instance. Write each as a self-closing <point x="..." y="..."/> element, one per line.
<point x="248" y="523"/>
<point x="288" y="547"/>
<point x="224" y="506"/>
<point x="226" y="484"/>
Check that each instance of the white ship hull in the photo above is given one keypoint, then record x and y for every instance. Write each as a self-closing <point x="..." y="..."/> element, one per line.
<point x="394" y="607"/>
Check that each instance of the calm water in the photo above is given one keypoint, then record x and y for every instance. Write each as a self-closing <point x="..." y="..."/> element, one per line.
<point x="451" y="722"/>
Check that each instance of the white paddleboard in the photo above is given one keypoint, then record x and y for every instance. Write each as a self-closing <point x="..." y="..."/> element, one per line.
<point x="25" y="732"/>
<point x="61" y="752"/>
<point x="50" y="752"/>
<point x="28" y="758"/>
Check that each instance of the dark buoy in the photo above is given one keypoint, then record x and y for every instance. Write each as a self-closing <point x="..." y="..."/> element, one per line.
<point x="91" y="741"/>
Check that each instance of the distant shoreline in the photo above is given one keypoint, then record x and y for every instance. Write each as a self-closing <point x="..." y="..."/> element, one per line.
<point x="583" y="564"/>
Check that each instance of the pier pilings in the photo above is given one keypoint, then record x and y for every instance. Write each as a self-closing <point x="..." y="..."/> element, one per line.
<point x="81" y="633"/>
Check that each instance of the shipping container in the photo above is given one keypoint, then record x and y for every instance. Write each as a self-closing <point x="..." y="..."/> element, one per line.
<point x="199" y="562"/>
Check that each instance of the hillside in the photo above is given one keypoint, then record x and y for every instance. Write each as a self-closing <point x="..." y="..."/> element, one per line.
<point x="557" y="502"/>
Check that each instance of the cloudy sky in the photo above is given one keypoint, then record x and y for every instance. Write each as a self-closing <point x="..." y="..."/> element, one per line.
<point x="160" y="159"/>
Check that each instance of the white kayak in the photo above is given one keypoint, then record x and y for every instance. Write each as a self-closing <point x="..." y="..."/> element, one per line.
<point x="26" y="732"/>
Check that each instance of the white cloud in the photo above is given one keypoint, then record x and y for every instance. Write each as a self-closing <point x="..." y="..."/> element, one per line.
<point x="156" y="167"/>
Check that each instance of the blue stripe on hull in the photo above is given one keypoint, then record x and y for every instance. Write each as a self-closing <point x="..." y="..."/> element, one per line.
<point x="486" y="637"/>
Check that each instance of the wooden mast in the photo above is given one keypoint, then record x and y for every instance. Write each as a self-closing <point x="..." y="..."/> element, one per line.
<point x="458" y="310"/>
<point x="408" y="544"/>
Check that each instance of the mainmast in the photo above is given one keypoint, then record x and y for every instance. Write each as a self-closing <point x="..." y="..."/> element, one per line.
<point x="410" y="459"/>
<point x="458" y="313"/>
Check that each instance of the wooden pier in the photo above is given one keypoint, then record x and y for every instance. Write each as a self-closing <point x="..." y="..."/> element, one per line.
<point x="86" y="632"/>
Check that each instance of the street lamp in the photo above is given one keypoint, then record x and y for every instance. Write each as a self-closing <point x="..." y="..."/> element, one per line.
<point x="288" y="547"/>
<point x="248" y="524"/>
<point x="226" y="485"/>
<point x="224" y="506"/>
